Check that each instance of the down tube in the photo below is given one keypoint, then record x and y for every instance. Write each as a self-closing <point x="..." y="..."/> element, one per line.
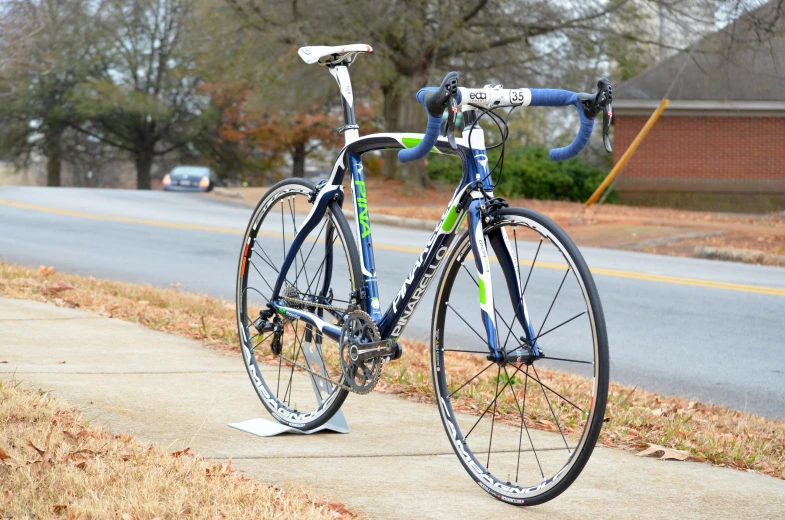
<point x="416" y="285"/>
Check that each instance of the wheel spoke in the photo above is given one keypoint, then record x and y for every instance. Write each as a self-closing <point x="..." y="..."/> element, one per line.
<point x="568" y="360"/>
<point x="495" y="311"/>
<point x="316" y="241"/>
<point x="486" y="410"/>
<point x="528" y="434"/>
<point x="470" y="380"/>
<point x="493" y="414"/>
<point x="559" y="325"/>
<point x="531" y="268"/>
<point x="299" y="345"/>
<point x="467" y="324"/>
<point x="539" y="382"/>
<point x="544" y="393"/>
<point x="260" y="274"/>
<point x="554" y="301"/>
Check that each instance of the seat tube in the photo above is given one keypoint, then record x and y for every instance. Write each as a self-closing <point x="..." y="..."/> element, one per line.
<point x="362" y="222"/>
<point x="483" y="265"/>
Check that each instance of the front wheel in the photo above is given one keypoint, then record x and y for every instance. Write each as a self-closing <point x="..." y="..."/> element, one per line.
<point x="522" y="430"/>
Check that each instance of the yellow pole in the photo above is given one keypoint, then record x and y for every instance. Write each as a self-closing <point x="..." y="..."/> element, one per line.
<point x="627" y="154"/>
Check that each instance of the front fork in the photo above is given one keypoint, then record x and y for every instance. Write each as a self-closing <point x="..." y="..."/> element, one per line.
<point x="507" y="258"/>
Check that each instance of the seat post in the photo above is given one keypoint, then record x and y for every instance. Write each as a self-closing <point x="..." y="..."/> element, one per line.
<point x="350" y="129"/>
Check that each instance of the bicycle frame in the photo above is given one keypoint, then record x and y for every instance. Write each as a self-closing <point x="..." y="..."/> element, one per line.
<point x="475" y="168"/>
<point x="393" y="321"/>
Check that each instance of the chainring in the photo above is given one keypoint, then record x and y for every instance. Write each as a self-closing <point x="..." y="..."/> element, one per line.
<point x="359" y="328"/>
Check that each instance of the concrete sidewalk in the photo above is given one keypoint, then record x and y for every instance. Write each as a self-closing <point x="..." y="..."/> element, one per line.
<point x="395" y="463"/>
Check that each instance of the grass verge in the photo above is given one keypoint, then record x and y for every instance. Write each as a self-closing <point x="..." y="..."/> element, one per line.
<point x="53" y="464"/>
<point x="635" y="419"/>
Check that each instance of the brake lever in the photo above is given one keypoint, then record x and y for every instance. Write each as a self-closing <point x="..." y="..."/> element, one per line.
<point x="448" y="125"/>
<point x="593" y="104"/>
<point x="607" y="115"/>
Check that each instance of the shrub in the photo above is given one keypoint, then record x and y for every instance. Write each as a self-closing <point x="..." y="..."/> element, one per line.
<point x="528" y="172"/>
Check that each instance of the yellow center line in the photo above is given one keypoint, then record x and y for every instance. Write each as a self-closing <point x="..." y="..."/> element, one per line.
<point x="548" y="265"/>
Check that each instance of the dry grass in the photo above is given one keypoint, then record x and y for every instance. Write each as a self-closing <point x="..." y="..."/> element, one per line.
<point x="634" y="418"/>
<point x="53" y="464"/>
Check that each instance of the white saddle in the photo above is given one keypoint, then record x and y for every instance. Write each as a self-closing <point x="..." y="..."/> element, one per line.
<point x="337" y="54"/>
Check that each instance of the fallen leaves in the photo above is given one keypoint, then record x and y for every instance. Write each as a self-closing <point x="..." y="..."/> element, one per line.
<point x="4" y="456"/>
<point x="54" y="289"/>
<point x="186" y="451"/>
<point x="667" y="453"/>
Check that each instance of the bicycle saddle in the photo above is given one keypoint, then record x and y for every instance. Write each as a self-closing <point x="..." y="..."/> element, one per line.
<point x="335" y="54"/>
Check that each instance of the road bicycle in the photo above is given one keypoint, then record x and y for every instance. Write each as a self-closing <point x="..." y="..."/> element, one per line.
<point x="518" y="349"/>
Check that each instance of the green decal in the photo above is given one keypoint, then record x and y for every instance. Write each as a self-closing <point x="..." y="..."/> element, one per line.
<point x="283" y="311"/>
<point x="362" y="204"/>
<point x="449" y="222"/>
<point x="411" y="142"/>
<point x="482" y="291"/>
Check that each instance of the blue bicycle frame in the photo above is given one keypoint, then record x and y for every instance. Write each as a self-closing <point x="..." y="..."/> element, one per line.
<point x="468" y="201"/>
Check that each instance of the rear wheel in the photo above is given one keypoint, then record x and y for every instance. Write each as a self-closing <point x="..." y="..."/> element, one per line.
<point x="295" y="370"/>
<point x="523" y="431"/>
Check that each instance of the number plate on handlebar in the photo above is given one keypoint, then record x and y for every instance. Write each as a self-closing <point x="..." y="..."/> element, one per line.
<point x="489" y="96"/>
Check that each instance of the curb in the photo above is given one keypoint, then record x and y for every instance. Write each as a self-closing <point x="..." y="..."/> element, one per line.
<point x="392" y="220"/>
<point x="226" y="192"/>
<point x="388" y="220"/>
<point x="748" y="256"/>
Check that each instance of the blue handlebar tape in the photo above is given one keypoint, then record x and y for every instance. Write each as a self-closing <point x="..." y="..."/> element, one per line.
<point x="431" y="132"/>
<point x="548" y="97"/>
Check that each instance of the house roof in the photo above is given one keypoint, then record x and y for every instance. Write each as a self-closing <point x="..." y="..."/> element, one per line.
<point x="742" y="65"/>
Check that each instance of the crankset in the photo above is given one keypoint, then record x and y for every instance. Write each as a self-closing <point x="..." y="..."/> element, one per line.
<point x="361" y="352"/>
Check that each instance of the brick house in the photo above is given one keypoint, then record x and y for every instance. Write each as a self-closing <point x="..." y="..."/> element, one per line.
<point x="720" y="144"/>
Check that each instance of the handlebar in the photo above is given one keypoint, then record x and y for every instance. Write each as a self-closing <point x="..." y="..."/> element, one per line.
<point x="435" y="100"/>
<point x="547" y="97"/>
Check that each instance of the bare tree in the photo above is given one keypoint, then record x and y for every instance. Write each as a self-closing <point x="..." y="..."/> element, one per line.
<point x="45" y="47"/>
<point x="146" y="100"/>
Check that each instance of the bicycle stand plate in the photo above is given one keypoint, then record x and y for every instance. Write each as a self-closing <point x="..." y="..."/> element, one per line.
<point x="266" y="428"/>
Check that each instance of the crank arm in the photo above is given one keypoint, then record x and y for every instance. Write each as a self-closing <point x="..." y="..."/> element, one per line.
<point x="383" y="348"/>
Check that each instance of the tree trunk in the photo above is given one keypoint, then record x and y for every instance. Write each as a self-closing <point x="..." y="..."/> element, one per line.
<point x="54" y="156"/>
<point x="402" y="113"/>
<point x="144" y="163"/>
<point x="298" y="160"/>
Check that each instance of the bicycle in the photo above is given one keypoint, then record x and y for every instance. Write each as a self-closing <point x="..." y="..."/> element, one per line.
<point x="320" y="316"/>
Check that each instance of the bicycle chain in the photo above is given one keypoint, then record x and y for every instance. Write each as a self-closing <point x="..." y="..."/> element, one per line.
<point x="305" y="303"/>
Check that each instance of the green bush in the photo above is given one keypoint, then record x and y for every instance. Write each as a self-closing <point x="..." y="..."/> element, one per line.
<point x="528" y="172"/>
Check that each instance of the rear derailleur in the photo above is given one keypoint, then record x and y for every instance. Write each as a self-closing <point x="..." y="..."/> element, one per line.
<point x="263" y="325"/>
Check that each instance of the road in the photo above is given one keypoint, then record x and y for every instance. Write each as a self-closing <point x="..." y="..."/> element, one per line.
<point x="699" y="328"/>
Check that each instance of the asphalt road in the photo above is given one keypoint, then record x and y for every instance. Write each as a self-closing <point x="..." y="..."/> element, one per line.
<point x="699" y="328"/>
